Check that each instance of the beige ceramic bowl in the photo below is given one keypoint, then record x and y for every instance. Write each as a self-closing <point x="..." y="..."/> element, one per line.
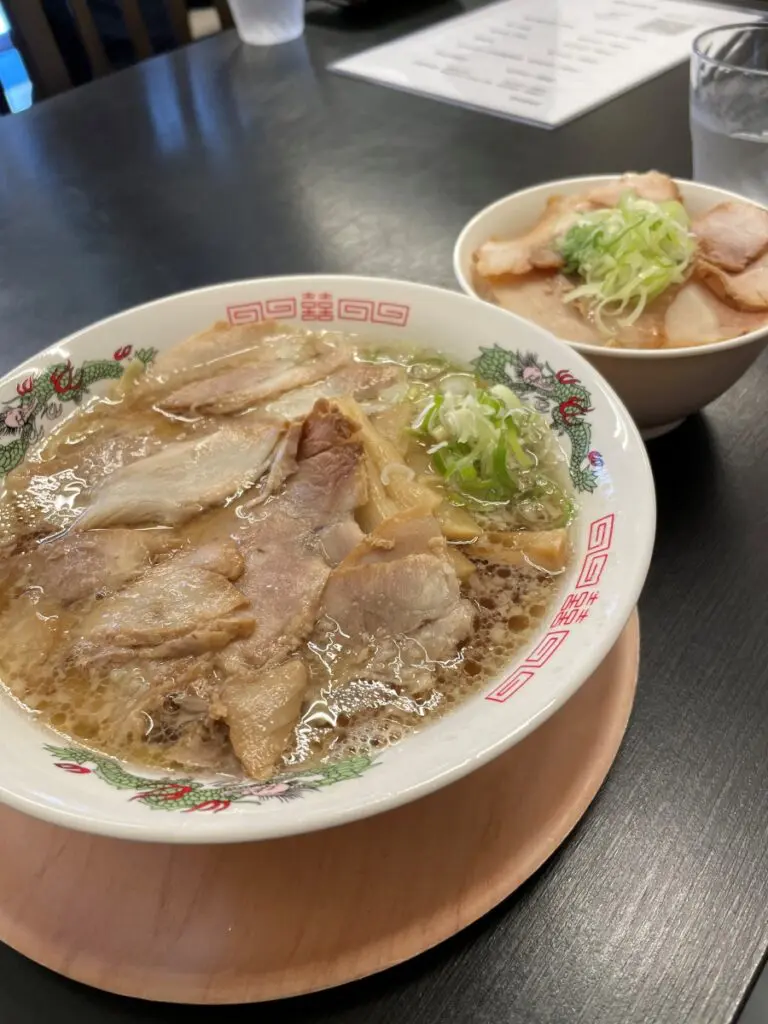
<point x="660" y="387"/>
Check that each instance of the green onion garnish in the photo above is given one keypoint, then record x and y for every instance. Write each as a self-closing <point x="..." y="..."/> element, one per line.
<point x="490" y="448"/>
<point x="627" y="256"/>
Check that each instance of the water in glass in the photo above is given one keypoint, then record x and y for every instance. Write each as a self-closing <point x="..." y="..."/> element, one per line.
<point x="729" y="109"/>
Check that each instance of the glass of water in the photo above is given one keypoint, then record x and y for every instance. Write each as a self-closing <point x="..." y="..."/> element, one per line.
<point x="729" y="109"/>
<point x="266" y="22"/>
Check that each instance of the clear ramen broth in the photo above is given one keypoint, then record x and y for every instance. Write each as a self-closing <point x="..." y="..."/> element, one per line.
<point x="274" y="548"/>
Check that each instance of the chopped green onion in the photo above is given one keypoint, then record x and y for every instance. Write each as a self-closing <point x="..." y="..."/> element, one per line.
<point x="490" y="449"/>
<point x="627" y="256"/>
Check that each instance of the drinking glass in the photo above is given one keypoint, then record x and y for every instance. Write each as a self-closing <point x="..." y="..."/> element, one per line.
<point x="729" y="109"/>
<point x="266" y="22"/>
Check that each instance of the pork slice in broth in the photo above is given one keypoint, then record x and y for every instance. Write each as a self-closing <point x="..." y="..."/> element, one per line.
<point x="326" y="429"/>
<point x="83" y="566"/>
<point x="159" y="708"/>
<point x="42" y="588"/>
<point x="42" y="493"/>
<point x="245" y="387"/>
<point x="145" y="657"/>
<point x="401" y="597"/>
<point x="652" y="185"/>
<point x="285" y="573"/>
<point x="222" y="556"/>
<point x="365" y="382"/>
<point x="746" y="291"/>
<point x="538" y="248"/>
<point x="731" y="235"/>
<point x="224" y="346"/>
<point x="175" y="609"/>
<point x="285" y="563"/>
<point x="393" y="618"/>
<point x="91" y="445"/>
<point x="696" y="316"/>
<point x="184" y="478"/>
<point x="261" y="713"/>
<point x="339" y="540"/>
<point x="284" y="465"/>
<point x="412" y="532"/>
<point x="400" y="581"/>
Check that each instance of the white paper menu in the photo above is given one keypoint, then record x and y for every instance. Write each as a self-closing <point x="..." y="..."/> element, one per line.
<point x="543" y="61"/>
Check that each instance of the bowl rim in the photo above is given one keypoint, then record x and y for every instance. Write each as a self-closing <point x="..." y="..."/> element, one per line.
<point x="251" y="829"/>
<point x="688" y="352"/>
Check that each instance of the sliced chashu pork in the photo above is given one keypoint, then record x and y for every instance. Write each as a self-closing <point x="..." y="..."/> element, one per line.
<point x="284" y="465"/>
<point x="184" y="478"/>
<point x="325" y="430"/>
<point x="399" y="596"/>
<point x="138" y="644"/>
<point x="224" y="346"/>
<point x="175" y="609"/>
<point x="147" y="653"/>
<point x="57" y="575"/>
<point x="731" y="235"/>
<point x="261" y="711"/>
<point x="538" y="248"/>
<point x="287" y="564"/>
<point x="80" y="566"/>
<point x="243" y="387"/>
<point x="286" y="567"/>
<point x="746" y="291"/>
<point x="652" y="185"/>
<point x="400" y="581"/>
<point x="696" y="317"/>
<point x="79" y="455"/>
<point x="392" y="612"/>
<point x="90" y="446"/>
<point x="339" y="539"/>
<point x="221" y="556"/>
<point x="138" y="703"/>
<point x="365" y="382"/>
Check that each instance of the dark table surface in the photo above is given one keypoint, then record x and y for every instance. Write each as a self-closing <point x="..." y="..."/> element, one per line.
<point x="223" y="162"/>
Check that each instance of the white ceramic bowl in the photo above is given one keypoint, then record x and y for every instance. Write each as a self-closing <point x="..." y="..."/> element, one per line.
<point x="660" y="387"/>
<point x="45" y="775"/>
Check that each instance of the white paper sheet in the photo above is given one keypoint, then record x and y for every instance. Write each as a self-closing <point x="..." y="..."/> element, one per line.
<point x="543" y="61"/>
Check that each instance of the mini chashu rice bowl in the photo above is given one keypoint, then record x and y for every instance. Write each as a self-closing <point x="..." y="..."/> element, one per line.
<point x="660" y="386"/>
<point x="45" y="775"/>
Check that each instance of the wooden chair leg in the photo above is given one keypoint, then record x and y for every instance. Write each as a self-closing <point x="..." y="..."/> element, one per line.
<point x="36" y="43"/>
<point x="137" y="30"/>
<point x="90" y="38"/>
<point x="179" y="18"/>
<point x="225" y="15"/>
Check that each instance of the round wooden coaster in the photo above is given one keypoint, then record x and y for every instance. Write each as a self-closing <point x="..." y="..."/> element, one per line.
<point x="258" y="921"/>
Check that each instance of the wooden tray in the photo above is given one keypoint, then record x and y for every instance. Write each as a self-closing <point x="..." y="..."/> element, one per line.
<point x="238" y="924"/>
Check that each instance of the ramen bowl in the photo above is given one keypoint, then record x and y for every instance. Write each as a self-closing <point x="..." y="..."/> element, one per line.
<point x="44" y="774"/>
<point x="660" y="387"/>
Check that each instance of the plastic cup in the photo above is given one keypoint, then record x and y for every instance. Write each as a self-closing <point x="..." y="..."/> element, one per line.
<point x="267" y="22"/>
